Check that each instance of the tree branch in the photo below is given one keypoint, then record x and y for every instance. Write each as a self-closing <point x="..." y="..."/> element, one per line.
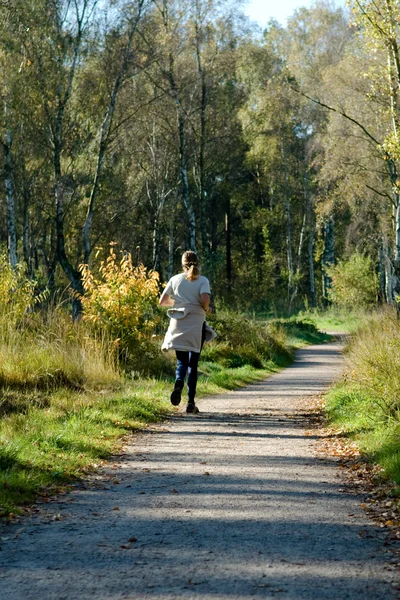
<point x="383" y="194"/>
<point x="343" y="114"/>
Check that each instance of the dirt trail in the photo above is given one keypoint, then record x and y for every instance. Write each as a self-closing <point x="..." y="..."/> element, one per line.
<point x="231" y="503"/>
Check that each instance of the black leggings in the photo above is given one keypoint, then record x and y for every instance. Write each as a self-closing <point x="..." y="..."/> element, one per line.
<point x="188" y="363"/>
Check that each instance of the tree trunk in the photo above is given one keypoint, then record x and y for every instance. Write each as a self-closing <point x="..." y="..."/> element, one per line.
<point x="10" y="198"/>
<point x="73" y="275"/>
<point x="388" y="267"/>
<point x="228" y="233"/>
<point x="171" y="247"/>
<point x="299" y="256"/>
<point x="26" y="242"/>
<point x="185" y="180"/>
<point x="214" y="223"/>
<point x="288" y="239"/>
<point x="202" y="144"/>
<point x="382" y="273"/>
<point x="156" y="242"/>
<point x="328" y="257"/>
<point x="311" y="234"/>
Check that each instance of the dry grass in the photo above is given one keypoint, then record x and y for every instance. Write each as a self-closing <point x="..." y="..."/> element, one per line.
<point x="374" y="355"/>
<point x="49" y="350"/>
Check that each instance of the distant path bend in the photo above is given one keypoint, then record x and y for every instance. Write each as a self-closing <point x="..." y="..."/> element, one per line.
<point x="228" y="504"/>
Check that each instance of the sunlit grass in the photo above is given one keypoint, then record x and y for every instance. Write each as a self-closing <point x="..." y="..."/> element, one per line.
<point x="334" y="320"/>
<point x="49" y="351"/>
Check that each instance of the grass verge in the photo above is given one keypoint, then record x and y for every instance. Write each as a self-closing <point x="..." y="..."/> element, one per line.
<point x="366" y="404"/>
<point x="49" y="445"/>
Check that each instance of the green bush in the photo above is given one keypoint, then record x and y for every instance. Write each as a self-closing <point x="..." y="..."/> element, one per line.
<point x="298" y="329"/>
<point x="354" y="283"/>
<point x="244" y="341"/>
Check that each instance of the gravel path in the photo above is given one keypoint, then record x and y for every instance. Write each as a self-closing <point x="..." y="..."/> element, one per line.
<point x="228" y="504"/>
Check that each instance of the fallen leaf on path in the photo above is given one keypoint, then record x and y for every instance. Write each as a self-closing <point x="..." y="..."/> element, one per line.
<point x="116" y="508"/>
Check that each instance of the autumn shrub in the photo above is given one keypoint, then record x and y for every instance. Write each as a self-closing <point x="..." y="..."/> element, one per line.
<point x="122" y="300"/>
<point x="353" y="283"/>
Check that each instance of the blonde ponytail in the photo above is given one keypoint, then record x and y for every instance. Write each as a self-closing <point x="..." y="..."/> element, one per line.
<point x="190" y="264"/>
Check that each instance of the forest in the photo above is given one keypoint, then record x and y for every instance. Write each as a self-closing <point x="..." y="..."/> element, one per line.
<point x="162" y="125"/>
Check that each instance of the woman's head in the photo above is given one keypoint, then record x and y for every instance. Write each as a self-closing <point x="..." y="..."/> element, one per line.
<point x="190" y="264"/>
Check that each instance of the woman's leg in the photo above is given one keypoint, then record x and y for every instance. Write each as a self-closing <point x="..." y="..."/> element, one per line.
<point x="182" y="359"/>
<point x="193" y="373"/>
<point x="194" y="358"/>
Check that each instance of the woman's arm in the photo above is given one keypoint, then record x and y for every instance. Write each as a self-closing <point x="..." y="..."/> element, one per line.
<point x="166" y="300"/>
<point x="205" y="301"/>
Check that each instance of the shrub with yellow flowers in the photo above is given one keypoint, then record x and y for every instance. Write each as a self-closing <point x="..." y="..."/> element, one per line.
<point x="122" y="299"/>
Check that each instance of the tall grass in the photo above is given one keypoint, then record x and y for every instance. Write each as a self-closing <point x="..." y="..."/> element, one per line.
<point x="367" y="403"/>
<point x="47" y="350"/>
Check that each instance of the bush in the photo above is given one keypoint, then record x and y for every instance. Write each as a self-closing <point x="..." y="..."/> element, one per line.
<point x="244" y="341"/>
<point x="297" y="329"/>
<point x="354" y="283"/>
<point x="123" y="301"/>
<point x="51" y="351"/>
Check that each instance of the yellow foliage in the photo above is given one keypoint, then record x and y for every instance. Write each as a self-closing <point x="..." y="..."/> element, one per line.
<point x="123" y="299"/>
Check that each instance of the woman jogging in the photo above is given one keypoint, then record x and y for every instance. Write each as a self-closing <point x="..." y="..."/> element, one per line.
<point x="189" y="294"/>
